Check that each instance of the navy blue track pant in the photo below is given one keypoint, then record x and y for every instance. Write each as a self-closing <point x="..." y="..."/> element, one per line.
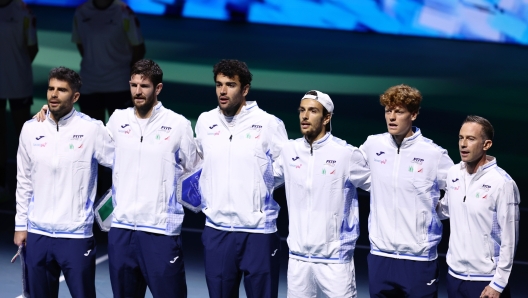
<point x="230" y="255"/>
<point x="389" y="277"/>
<point x="458" y="288"/>
<point x="139" y="259"/>
<point x="46" y="257"/>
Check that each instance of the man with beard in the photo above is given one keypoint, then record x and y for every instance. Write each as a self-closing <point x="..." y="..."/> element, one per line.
<point x="321" y="174"/>
<point x="154" y="146"/>
<point x="239" y="142"/>
<point x="482" y="204"/>
<point x="407" y="173"/>
<point x="57" y="165"/>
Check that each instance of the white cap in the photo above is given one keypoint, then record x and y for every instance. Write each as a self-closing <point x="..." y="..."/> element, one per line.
<point x="322" y="98"/>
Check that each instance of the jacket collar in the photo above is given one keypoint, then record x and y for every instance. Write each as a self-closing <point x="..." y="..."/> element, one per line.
<point x="319" y="143"/>
<point x="483" y="169"/>
<point x="64" y="120"/>
<point x="244" y="112"/>
<point x="155" y="111"/>
<point x="407" y="142"/>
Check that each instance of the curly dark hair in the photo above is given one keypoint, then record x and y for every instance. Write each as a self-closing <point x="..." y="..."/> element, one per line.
<point x="148" y="69"/>
<point x="231" y="68"/>
<point x="402" y="95"/>
<point x="62" y="73"/>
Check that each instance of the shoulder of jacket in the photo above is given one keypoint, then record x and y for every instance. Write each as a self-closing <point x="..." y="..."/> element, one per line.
<point x="428" y="142"/>
<point x="498" y="172"/>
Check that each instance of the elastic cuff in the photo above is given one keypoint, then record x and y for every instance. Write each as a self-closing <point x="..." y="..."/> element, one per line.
<point x="496" y="286"/>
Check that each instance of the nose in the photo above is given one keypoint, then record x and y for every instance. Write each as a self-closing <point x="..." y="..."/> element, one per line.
<point x="54" y="93"/>
<point x="138" y="90"/>
<point x="223" y="90"/>
<point x="392" y="115"/>
<point x="463" y="143"/>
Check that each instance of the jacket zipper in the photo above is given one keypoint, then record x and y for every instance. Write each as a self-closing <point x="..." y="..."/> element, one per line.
<point x="309" y="179"/>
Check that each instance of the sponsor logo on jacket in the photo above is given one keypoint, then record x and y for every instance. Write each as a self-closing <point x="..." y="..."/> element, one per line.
<point x="486" y="187"/>
<point x="297" y="166"/>
<point x="38" y="138"/>
<point x="213" y="126"/>
<point x="124" y="129"/>
<point x="256" y="127"/>
<point x="166" y="128"/>
<point x="77" y="137"/>
<point x="40" y="144"/>
<point x="381" y="161"/>
<point x="216" y="133"/>
<point x="331" y="163"/>
<point x="380" y="153"/>
<point x="417" y="160"/>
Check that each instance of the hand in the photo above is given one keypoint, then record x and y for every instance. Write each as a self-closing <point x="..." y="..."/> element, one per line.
<point x="489" y="292"/>
<point x="20" y="238"/>
<point x="41" y="115"/>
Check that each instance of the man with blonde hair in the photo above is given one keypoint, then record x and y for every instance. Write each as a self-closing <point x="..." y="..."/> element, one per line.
<point x="407" y="173"/>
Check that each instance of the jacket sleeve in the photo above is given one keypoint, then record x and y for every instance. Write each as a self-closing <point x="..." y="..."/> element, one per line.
<point x="104" y="147"/>
<point x="188" y="156"/>
<point x="279" y="138"/>
<point x="359" y="171"/>
<point x="278" y="171"/>
<point x="442" y="208"/>
<point x="24" y="191"/>
<point x="508" y="220"/>
<point x="198" y="139"/>
<point x="444" y="164"/>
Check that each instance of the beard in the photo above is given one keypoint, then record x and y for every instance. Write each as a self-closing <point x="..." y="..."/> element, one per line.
<point x="146" y="106"/>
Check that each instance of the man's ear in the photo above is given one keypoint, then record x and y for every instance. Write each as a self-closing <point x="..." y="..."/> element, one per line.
<point x="76" y="96"/>
<point x="487" y="144"/>
<point x="158" y="88"/>
<point x="245" y="90"/>
<point x="414" y="115"/>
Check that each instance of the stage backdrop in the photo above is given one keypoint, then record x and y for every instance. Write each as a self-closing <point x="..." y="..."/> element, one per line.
<point x="502" y="21"/>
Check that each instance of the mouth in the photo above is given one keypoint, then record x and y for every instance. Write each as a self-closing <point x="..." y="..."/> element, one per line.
<point x="223" y="100"/>
<point x="305" y="125"/>
<point x="53" y="103"/>
<point x="464" y="153"/>
<point x="393" y="125"/>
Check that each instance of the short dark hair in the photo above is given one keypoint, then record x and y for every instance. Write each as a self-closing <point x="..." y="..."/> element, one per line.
<point x="148" y="69"/>
<point x="62" y="73"/>
<point x="231" y="68"/>
<point x="487" y="129"/>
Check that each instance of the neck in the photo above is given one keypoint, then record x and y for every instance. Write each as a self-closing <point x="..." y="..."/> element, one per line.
<point x="312" y="138"/>
<point x="235" y="111"/>
<point x="399" y="138"/>
<point x="57" y="116"/>
<point x="473" y="166"/>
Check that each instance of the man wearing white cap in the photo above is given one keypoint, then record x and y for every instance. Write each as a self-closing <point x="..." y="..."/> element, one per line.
<point x="321" y="173"/>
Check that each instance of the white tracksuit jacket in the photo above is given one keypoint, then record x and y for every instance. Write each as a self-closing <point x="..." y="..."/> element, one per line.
<point x="484" y="222"/>
<point x="237" y="181"/>
<point x="321" y="183"/>
<point x="146" y="169"/>
<point x="57" y="174"/>
<point x="405" y="189"/>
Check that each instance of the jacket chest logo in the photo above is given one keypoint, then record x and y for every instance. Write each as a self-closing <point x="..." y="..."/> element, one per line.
<point x="329" y="167"/>
<point x="416" y="165"/>
<point x="125" y="128"/>
<point x="77" y="138"/>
